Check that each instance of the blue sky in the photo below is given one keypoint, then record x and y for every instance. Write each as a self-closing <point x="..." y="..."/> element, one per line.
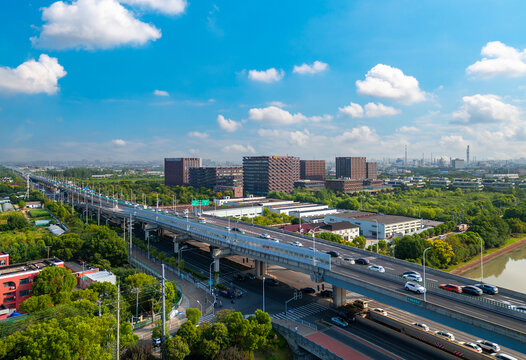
<point x="145" y="79"/>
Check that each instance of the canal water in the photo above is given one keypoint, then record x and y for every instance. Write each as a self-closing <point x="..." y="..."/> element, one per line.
<point x="506" y="270"/>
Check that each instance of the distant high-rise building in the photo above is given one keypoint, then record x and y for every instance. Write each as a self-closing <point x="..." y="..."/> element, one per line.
<point x="177" y="170"/>
<point x="371" y="170"/>
<point x="312" y="169"/>
<point x="467" y="155"/>
<point x="211" y="177"/>
<point x="263" y="174"/>
<point x="351" y="167"/>
<point x="344" y="185"/>
<point x="405" y="156"/>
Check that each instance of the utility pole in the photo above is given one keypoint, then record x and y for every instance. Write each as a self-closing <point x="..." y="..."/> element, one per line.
<point x="164" y="306"/>
<point x="130" y="227"/>
<point x="100" y="312"/>
<point x="48" y="247"/>
<point x="118" y="320"/>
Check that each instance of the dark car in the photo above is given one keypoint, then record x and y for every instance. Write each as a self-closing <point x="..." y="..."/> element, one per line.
<point x="271" y="282"/>
<point x="239" y="277"/>
<point x="488" y="289"/>
<point x="471" y="290"/>
<point x="333" y="253"/>
<point x="231" y="293"/>
<point x="308" y="290"/>
<point x="326" y="293"/>
<point x="237" y="230"/>
<point x="346" y="316"/>
<point x="362" y="261"/>
<point x="250" y="276"/>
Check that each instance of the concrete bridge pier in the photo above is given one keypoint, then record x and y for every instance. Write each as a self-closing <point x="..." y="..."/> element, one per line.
<point x="339" y="296"/>
<point x="261" y="269"/>
<point x="217" y="254"/>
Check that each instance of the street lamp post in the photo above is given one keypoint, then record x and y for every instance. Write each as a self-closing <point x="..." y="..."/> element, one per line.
<point x="376" y="235"/>
<point x="263" y="293"/>
<point x="211" y="281"/>
<point x="481" y="261"/>
<point x="425" y="287"/>
<point x="201" y="306"/>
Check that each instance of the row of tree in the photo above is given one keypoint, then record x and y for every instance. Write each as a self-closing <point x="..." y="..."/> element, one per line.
<point x="230" y="336"/>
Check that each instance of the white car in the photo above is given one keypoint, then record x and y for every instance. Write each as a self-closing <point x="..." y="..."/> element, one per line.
<point x="380" y="311"/>
<point x="376" y="268"/>
<point x="446" y="335"/>
<point x="296" y="243"/>
<point x="472" y="346"/>
<point x="274" y="239"/>
<point x="488" y="346"/>
<point x="412" y="277"/>
<point x="421" y="326"/>
<point x="414" y="287"/>
<point x="264" y="236"/>
<point x="505" y="357"/>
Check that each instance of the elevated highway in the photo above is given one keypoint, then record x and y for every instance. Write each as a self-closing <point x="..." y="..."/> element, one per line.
<point x="489" y="312"/>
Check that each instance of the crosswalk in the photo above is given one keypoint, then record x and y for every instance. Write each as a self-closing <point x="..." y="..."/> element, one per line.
<point x="207" y="318"/>
<point x="300" y="312"/>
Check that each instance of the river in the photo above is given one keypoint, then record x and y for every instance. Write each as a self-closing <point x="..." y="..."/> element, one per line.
<point x="506" y="270"/>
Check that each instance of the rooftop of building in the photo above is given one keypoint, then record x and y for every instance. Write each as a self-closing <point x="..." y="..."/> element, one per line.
<point x="78" y="266"/>
<point x="371" y="217"/>
<point x="35" y="265"/>
<point x="342" y="225"/>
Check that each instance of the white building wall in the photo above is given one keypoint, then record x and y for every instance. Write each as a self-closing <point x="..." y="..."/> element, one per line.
<point x="238" y="212"/>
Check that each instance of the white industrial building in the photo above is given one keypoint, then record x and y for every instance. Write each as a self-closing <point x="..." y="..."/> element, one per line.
<point x="371" y="224"/>
<point x="236" y="211"/>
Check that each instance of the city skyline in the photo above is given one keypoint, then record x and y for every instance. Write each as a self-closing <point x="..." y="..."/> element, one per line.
<point x="172" y="78"/>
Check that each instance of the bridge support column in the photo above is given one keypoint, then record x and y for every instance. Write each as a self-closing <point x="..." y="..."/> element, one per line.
<point x="339" y="296"/>
<point x="261" y="269"/>
<point x="146" y="235"/>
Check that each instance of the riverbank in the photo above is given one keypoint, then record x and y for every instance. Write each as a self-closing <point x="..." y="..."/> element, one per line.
<point x="473" y="263"/>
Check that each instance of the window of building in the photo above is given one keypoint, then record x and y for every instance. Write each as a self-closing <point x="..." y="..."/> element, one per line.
<point x="25" y="281"/>
<point x="24" y="292"/>
<point x="2" y="262"/>
<point x="9" y="299"/>
<point x="9" y="294"/>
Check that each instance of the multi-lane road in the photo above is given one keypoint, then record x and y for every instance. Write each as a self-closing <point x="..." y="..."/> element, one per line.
<point x="360" y="273"/>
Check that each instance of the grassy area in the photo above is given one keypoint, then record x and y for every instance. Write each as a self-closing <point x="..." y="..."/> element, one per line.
<point x="38" y="213"/>
<point x="280" y="354"/>
<point x="511" y="240"/>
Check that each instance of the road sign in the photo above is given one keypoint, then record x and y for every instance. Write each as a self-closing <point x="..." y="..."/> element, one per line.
<point x="413" y="300"/>
<point x="204" y="202"/>
<point x="210" y="282"/>
<point x="195" y="202"/>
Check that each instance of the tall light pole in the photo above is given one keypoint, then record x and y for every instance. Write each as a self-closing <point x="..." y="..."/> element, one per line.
<point x="201" y="306"/>
<point x="376" y="235"/>
<point x="263" y="294"/>
<point x="424" y="256"/>
<point x="481" y="261"/>
<point x="211" y="281"/>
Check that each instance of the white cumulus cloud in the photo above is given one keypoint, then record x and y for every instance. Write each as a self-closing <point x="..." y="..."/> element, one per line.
<point x="315" y="68"/>
<point x="486" y="109"/>
<point x="92" y="24"/>
<point x="354" y="110"/>
<point x="268" y="76"/>
<point x="499" y="60"/>
<point x="170" y="7"/>
<point x="161" y="93"/>
<point x="384" y="81"/>
<point x="228" y="125"/>
<point x="241" y="149"/>
<point x="197" y="134"/>
<point x="408" y="129"/>
<point x="119" y="142"/>
<point x="377" y="110"/>
<point x="276" y="115"/>
<point x="32" y="77"/>
<point x="298" y="138"/>
<point x="362" y="134"/>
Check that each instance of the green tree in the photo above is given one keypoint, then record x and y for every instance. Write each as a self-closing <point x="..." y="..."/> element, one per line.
<point x="359" y="242"/>
<point x="36" y="303"/>
<point x="71" y="338"/>
<point x="193" y="315"/>
<point x="189" y="333"/>
<point x="231" y="353"/>
<point x="175" y="348"/>
<point x="102" y="243"/>
<point x="53" y="280"/>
